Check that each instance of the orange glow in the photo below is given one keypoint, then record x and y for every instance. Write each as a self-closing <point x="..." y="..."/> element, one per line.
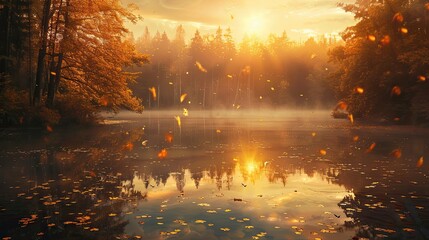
<point x="359" y="90"/>
<point x="356" y="138"/>
<point x="371" y="148"/>
<point x="422" y="78"/>
<point x="168" y="137"/>
<point x="323" y="152"/>
<point x="103" y="101"/>
<point x="350" y="116"/>
<point x="396" y="91"/>
<point x="162" y="154"/>
<point x="420" y="162"/>
<point x="371" y="38"/>
<point x="129" y="146"/>
<point x="404" y="30"/>
<point x="49" y="128"/>
<point x="397" y="153"/>
<point x="398" y="17"/>
<point x="385" y="40"/>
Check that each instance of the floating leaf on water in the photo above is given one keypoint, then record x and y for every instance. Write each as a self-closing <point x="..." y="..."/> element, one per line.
<point x="200" y="221"/>
<point x="249" y="227"/>
<point x="200" y="67"/>
<point x="152" y="90"/>
<point x="183" y="97"/>
<point x="420" y="162"/>
<point x="94" y="229"/>
<point x="227" y="210"/>
<point x="225" y="229"/>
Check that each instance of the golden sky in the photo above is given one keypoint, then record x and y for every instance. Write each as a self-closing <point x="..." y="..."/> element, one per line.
<point x="299" y="18"/>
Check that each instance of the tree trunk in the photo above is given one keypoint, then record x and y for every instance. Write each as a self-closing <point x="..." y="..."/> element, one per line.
<point x="42" y="52"/>
<point x="54" y="80"/>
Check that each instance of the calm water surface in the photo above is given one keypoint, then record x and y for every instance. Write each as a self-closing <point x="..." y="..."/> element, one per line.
<point x="260" y="175"/>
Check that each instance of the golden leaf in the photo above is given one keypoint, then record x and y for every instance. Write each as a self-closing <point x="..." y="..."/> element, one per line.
<point x="359" y="90"/>
<point x="322" y="152"/>
<point x="404" y="30"/>
<point x="200" y="67"/>
<point x="371" y="38"/>
<point x="179" y="122"/>
<point x="153" y="91"/>
<point x="185" y="112"/>
<point x="182" y="97"/>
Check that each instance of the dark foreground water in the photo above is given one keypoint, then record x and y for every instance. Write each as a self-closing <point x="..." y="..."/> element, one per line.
<point x="261" y="175"/>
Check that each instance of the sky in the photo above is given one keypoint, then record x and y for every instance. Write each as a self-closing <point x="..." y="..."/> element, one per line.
<point x="299" y="18"/>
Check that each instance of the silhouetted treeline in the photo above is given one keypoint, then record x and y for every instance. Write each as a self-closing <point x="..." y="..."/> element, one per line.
<point x="216" y="72"/>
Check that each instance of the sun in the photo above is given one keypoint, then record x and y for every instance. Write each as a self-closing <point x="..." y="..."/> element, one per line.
<point x="254" y="24"/>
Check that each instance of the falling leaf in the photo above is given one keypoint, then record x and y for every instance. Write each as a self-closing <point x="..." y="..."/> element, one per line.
<point x="398" y="17"/>
<point x="185" y="112"/>
<point x="182" y="97"/>
<point x="229" y="76"/>
<point x="404" y="30"/>
<point x="168" y="137"/>
<point x="356" y="138"/>
<point x="341" y="105"/>
<point x="162" y="154"/>
<point x="49" y="128"/>
<point x="421" y="78"/>
<point x="144" y="143"/>
<point x="200" y="67"/>
<point x="359" y="90"/>
<point x="179" y="122"/>
<point x="385" y="40"/>
<point x="396" y="91"/>
<point x="371" y="38"/>
<point x="322" y="152"/>
<point x="218" y="131"/>
<point x="313" y="56"/>
<point x="371" y="147"/>
<point x="129" y="146"/>
<point x="420" y="162"/>
<point x="153" y="91"/>
<point x="313" y="134"/>
<point x="397" y="153"/>
<point x="350" y="117"/>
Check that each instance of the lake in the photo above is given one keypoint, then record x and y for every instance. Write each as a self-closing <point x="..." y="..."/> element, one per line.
<point x="216" y="175"/>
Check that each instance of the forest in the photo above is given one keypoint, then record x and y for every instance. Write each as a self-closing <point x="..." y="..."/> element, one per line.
<point x="65" y="61"/>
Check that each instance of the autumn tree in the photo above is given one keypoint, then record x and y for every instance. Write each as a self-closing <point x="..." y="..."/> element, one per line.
<point x="382" y="69"/>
